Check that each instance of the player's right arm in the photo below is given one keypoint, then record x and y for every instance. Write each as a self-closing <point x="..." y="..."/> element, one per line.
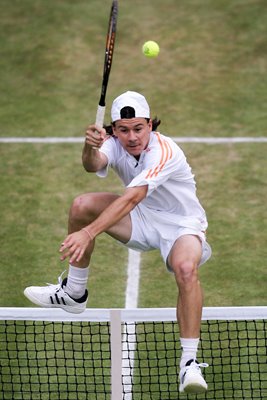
<point x="93" y="160"/>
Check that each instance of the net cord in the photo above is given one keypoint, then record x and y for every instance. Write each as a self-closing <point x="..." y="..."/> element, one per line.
<point x="129" y="315"/>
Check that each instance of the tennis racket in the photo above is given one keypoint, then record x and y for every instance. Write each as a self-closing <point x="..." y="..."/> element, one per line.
<point x="110" y="42"/>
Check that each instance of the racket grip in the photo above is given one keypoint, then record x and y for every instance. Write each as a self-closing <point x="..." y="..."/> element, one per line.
<point x="100" y="114"/>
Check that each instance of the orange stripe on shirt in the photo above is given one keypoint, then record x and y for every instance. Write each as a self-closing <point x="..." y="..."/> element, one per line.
<point x="151" y="171"/>
<point x="162" y="159"/>
<point x="166" y="154"/>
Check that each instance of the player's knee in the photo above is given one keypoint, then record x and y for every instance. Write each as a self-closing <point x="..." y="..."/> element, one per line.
<point x="81" y="208"/>
<point x="185" y="272"/>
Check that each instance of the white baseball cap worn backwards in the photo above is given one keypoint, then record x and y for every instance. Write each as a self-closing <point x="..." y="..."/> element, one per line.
<point x="130" y="99"/>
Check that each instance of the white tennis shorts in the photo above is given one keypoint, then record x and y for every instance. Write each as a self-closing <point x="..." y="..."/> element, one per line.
<point x="153" y="229"/>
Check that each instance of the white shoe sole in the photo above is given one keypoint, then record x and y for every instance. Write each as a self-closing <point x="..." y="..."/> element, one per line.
<point x="194" y="388"/>
<point x="71" y="309"/>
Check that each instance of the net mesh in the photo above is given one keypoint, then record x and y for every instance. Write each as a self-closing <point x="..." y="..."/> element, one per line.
<point x="71" y="360"/>
<point x="235" y="351"/>
<point x="54" y="360"/>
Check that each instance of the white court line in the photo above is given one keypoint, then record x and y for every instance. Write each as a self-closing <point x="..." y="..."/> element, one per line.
<point x="129" y="332"/>
<point x="133" y="275"/>
<point x="182" y="139"/>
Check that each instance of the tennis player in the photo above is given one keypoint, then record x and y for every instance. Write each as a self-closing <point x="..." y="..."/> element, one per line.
<point x="159" y="209"/>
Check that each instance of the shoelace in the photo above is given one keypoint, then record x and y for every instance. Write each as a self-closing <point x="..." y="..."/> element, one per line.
<point x="197" y="365"/>
<point x="57" y="286"/>
<point x="203" y="365"/>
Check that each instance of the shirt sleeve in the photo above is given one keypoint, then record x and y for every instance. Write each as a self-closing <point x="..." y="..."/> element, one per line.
<point x="109" y="149"/>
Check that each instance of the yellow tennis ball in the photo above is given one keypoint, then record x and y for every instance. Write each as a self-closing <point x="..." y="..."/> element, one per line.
<point x="150" y="49"/>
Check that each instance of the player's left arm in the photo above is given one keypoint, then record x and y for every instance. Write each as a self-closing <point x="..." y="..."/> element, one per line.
<point x="118" y="209"/>
<point x="76" y="243"/>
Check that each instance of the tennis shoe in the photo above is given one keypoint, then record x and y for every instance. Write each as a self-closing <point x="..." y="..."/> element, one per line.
<point x="191" y="378"/>
<point x="55" y="296"/>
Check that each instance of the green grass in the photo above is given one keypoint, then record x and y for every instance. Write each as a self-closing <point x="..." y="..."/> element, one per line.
<point x="209" y="79"/>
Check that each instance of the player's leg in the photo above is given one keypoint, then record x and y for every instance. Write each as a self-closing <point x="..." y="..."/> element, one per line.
<point x="86" y="208"/>
<point x="71" y="293"/>
<point x="184" y="259"/>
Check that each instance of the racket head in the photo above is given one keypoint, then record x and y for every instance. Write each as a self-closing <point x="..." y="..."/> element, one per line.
<point x="110" y="43"/>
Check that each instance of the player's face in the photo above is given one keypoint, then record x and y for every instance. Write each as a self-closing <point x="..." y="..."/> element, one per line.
<point x="133" y="134"/>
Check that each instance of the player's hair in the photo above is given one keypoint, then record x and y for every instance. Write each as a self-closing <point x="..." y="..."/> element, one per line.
<point x="155" y="123"/>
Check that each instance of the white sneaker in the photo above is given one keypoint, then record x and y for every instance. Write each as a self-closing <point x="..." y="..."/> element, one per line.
<point x="191" y="378"/>
<point x="54" y="296"/>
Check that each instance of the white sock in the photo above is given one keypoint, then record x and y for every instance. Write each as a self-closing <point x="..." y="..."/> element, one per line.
<point x="189" y="350"/>
<point x="77" y="281"/>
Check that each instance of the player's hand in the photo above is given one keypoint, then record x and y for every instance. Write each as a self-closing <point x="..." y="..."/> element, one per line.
<point x="74" y="246"/>
<point x="95" y="136"/>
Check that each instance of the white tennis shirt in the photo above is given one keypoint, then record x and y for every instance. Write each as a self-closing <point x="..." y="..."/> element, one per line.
<point x="164" y="168"/>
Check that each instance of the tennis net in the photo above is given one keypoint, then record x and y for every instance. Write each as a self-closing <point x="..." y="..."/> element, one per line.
<point x="105" y="354"/>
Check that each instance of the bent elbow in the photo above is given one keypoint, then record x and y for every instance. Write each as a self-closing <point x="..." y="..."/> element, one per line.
<point x="137" y="194"/>
<point x="87" y="166"/>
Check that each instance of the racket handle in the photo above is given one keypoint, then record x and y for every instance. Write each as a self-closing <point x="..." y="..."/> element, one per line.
<point x="99" y="119"/>
<point x="100" y="114"/>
